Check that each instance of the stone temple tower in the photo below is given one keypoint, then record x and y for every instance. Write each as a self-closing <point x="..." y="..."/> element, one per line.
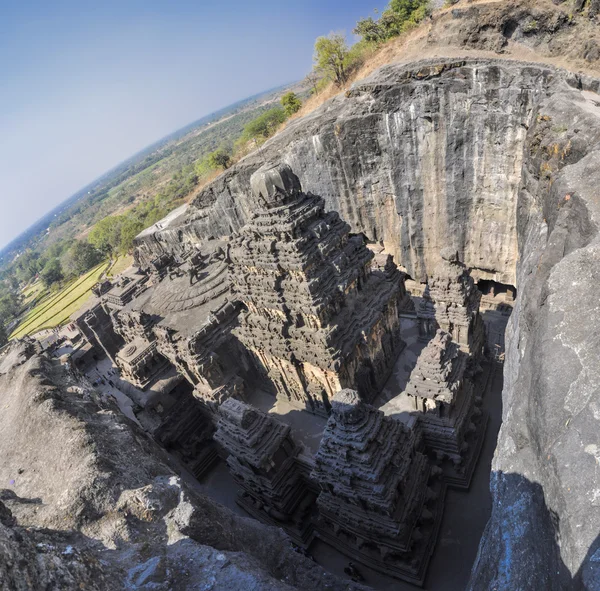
<point x="455" y="299"/>
<point x="452" y="422"/>
<point x="381" y="501"/>
<point x="262" y="459"/>
<point x="319" y="318"/>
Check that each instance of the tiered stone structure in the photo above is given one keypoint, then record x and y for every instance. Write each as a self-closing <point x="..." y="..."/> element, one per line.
<point x="262" y="459"/>
<point x="319" y="318"/>
<point x="187" y="432"/>
<point x="381" y="501"/>
<point x="456" y="300"/>
<point x="140" y="362"/>
<point x="95" y="324"/>
<point x="426" y="316"/>
<point x="188" y="311"/>
<point x="452" y="423"/>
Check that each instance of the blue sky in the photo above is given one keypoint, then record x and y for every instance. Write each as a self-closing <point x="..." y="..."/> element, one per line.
<point x="87" y="84"/>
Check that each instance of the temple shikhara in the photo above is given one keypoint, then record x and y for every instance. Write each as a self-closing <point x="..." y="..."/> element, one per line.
<point x="274" y="356"/>
<point x="318" y="318"/>
<point x="381" y="500"/>
<point x="451" y="302"/>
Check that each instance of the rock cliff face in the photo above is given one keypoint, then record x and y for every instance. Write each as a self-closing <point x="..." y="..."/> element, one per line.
<point x="500" y="161"/>
<point x="103" y="510"/>
<point x="413" y="157"/>
<point x="546" y="517"/>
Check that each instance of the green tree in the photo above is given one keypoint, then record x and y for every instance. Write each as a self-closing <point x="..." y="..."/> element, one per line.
<point x="130" y="228"/>
<point x="291" y="103"/>
<point x="9" y="306"/>
<point x="312" y="80"/>
<point x="399" y="16"/>
<point x="3" y="335"/>
<point x="370" y="30"/>
<point x="407" y="10"/>
<point x="264" y="126"/>
<point x="106" y="235"/>
<point x="27" y="265"/>
<point x="52" y="272"/>
<point x="331" y="57"/>
<point x="220" y="158"/>
<point x="80" y="257"/>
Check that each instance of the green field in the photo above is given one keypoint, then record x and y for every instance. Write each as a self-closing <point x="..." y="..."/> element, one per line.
<point x="120" y="265"/>
<point x="55" y="309"/>
<point x="33" y="292"/>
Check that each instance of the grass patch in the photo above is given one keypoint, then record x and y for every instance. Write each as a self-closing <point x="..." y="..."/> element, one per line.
<point x="57" y="309"/>
<point x="120" y="265"/>
<point x="34" y="292"/>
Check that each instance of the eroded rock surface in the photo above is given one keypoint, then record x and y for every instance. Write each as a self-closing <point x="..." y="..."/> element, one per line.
<point x="546" y="516"/>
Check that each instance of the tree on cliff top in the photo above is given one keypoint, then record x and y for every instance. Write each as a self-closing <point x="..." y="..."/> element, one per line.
<point x="331" y="57"/>
<point x="291" y="103"/>
<point x="399" y="16"/>
<point x="220" y="158"/>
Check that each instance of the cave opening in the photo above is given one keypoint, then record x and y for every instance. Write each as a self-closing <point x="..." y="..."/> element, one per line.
<point x="496" y="295"/>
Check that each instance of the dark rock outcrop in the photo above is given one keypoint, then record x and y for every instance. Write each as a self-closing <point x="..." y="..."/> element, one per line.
<point x="546" y="516"/>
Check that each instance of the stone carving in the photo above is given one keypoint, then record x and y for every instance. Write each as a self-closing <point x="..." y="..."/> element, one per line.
<point x="189" y="311"/>
<point x="455" y="299"/>
<point x="140" y="362"/>
<point x="262" y="460"/>
<point x="426" y="316"/>
<point x="452" y="423"/>
<point x="381" y="501"/>
<point x="124" y="289"/>
<point x="319" y="317"/>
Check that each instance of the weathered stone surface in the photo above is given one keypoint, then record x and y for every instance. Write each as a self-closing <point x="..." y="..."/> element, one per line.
<point x="448" y="407"/>
<point x="546" y="516"/>
<point x="502" y="158"/>
<point x="262" y="457"/>
<point x="415" y="176"/>
<point x="32" y="560"/>
<point x="455" y="300"/>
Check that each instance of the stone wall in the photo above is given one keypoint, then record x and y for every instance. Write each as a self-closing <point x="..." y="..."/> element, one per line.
<point x="546" y="515"/>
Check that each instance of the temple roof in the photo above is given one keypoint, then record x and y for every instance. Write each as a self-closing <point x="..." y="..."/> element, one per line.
<point x="452" y="285"/>
<point x="363" y="454"/>
<point x="249" y="434"/>
<point x="439" y="371"/>
<point x="183" y="302"/>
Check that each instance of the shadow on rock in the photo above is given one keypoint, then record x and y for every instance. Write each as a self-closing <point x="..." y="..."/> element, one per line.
<point x="520" y="548"/>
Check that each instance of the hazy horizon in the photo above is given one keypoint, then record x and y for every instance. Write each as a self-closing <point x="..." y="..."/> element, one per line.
<point x="87" y="88"/>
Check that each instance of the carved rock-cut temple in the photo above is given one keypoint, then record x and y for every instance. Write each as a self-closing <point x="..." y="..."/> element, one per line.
<point x="381" y="501"/>
<point x="188" y="311"/>
<point x="318" y="317"/>
<point x="452" y="423"/>
<point x="179" y="325"/>
<point x="262" y="460"/>
<point x="295" y="305"/>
